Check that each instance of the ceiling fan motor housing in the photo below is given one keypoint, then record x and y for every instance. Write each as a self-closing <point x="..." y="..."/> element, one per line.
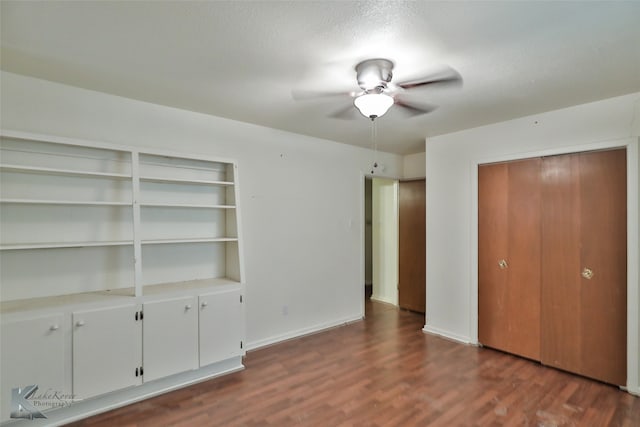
<point x="374" y="73"/>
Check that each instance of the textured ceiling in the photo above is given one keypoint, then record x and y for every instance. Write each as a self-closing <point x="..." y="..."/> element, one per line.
<point x="241" y="60"/>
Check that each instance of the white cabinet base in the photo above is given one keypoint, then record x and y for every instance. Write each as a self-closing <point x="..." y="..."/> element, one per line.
<point x="107" y="350"/>
<point x="110" y="401"/>
<point x="34" y="352"/>
<point x="220" y="326"/>
<point x="170" y="337"/>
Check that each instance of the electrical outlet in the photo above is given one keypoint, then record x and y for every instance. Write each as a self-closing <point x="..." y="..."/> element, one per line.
<point x="285" y="310"/>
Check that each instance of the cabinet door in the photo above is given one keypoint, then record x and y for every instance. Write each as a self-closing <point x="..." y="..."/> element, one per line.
<point x="584" y="264"/>
<point x="509" y="245"/>
<point x="170" y="337"/>
<point x="221" y="326"/>
<point x="107" y="350"/>
<point x="34" y="352"/>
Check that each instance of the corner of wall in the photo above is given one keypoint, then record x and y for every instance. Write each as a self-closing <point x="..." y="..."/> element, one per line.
<point x="635" y="121"/>
<point x="413" y="166"/>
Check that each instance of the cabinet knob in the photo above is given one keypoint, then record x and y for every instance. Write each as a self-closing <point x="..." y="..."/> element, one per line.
<point x="54" y="327"/>
<point x="187" y="307"/>
<point x="503" y="264"/>
<point x="80" y="323"/>
<point x="587" y="273"/>
<point x="204" y="304"/>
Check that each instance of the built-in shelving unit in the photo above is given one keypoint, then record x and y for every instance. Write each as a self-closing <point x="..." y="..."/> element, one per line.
<point x="139" y="220"/>
<point x="95" y="238"/>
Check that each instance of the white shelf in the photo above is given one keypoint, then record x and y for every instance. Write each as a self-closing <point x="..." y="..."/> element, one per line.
<point x="55" y="171"/>
<point x="184" y="181"/>
<point x="114" y="296"/>
<point x="163" y="289"/>
<point x="55" y="245"/>
<point x="63" y="202"/>
<point x="189" y="240"/>
<point x="185" y="205"/>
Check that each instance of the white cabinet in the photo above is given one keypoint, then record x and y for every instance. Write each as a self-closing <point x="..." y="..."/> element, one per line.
<point x="170" y="338"/>
<point x="107" y="350"/>
<point x="221" y="326"/>
<point x="34" y="352"/>
<point x="101" y="235"/>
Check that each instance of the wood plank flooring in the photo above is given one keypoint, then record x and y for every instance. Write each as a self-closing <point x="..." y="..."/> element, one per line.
<point x="384" y="371"/>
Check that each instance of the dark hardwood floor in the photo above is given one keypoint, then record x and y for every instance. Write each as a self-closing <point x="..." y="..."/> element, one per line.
<point x="384" y="371"/>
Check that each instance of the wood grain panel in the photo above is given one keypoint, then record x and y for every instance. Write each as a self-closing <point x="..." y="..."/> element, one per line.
<point x="493" y="330"/>
<point x="412" y="249"/>
<point x="523" y="272"/>
<point x="383" y="371"/>
<point x="561" y="307"/>
<point x="584" y="226"/>
<point x="509" y="229"/>
<point x="603" y="231"/>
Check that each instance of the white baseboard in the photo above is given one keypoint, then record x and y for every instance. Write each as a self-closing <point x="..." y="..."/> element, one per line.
<point x="116" y="399"/>
<point x="632" y="390"/>
<point x="448" y="335"/>
<point x="301" y="332"/>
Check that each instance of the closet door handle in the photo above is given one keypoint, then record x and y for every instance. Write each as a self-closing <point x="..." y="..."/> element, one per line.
<point x="502" y="264"/>
<point x="587" y="273"/>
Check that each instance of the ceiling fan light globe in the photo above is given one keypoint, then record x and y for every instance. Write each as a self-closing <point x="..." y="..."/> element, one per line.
<point x="373" y="105"/>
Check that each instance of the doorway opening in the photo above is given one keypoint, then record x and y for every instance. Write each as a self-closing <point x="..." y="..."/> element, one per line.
<point x="381" y="240"/>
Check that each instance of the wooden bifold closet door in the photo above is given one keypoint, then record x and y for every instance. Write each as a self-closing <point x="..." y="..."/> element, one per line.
<point x="509" y="257"/>
<point x="584" y="264"/>
<point x="552" y="261"/>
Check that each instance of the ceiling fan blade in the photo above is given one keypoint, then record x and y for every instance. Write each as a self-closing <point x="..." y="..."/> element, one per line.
<point x="448" y="76"/>
<point x="303" y="95"/>
<point x="413" y="109"/>
<point x="347" y="113"/>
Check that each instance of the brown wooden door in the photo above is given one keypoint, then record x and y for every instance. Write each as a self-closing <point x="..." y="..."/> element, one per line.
<point x="412" y="250"/>
<point x="584" y="266"/>
<point x="509" y="257"/>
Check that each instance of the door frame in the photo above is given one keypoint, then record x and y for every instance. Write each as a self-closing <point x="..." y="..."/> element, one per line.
<point x="633" y="256"/>
<point x="362" y="178"/>
<point x="389" y="278"/>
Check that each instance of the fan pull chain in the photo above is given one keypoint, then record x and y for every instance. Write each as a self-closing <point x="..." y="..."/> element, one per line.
<point x="374" y="142"/>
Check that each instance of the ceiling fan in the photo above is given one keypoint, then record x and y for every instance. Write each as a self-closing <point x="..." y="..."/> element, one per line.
<point x="378" y="93"/>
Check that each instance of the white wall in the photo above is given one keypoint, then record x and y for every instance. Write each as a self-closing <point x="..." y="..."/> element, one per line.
<point x="414" y="166"/>
<point x="451" y="177"/>
<point x="301" y="198"/>
<point x="384" y="241"/>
